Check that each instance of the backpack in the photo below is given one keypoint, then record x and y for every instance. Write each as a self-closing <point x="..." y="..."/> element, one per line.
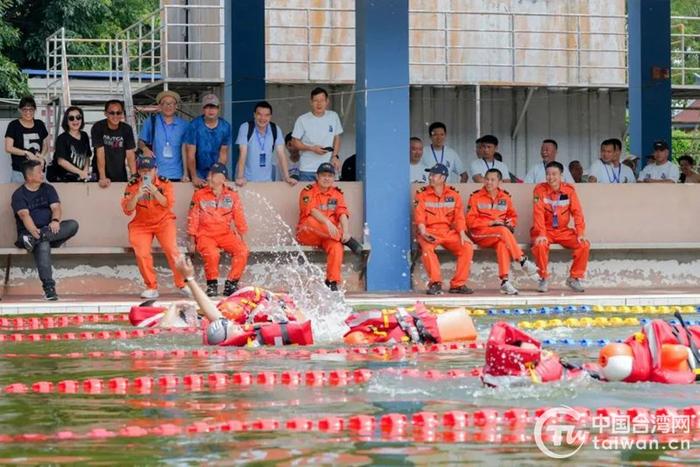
<point x="251" y="129"/>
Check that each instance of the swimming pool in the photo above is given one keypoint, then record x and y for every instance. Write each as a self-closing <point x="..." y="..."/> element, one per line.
<point x="94" y="390"/>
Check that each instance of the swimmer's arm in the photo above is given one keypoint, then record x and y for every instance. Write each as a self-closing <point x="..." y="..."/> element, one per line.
<point x="206" y="307"/>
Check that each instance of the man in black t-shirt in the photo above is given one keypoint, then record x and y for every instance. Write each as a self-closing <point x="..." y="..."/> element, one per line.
<point x="25" y="138"/>
<point x="37" y="211"/>
<point x="114" y="145"/>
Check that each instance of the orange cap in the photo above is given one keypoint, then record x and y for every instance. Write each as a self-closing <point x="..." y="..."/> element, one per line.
<point x="616" y="361"/>
<point x="456" y="325"/>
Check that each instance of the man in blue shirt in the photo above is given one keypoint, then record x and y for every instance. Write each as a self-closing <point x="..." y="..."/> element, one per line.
<point x="258" y="146"/>
<point x="161" y="138"/>
<point x="207" y="140"/>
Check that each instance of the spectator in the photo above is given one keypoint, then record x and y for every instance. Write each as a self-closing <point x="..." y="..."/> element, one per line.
<point x="511" y="176"/>
<point x="439" y="219"/>
<point x="261" y="138"/>
<point x="206" y="140"/>
<point x="150" y="198"/>
<point x="576" y="171"/>
<point x="293" y="157"/>
<point x="631" y="161"/>
<point x="216" y="222"/>
<point x="489" y="145"/>
<point x="548" y="152"/>
<point x="439" y="153"/>
<point x="688" y="174"/>
<point x="72" y="155"/>
<point x="317" y="136"/>
<point x="608" y="168"/>
<point x="417" y="173"/>
<point x="25" y="139"/>
<point x="491" y="220"/>
<point x="161" y="138"/>
<point x="555" y="204"/>
<point x="323" y="222"/>
<point x="37" y="211"/>
<point x="114" y="145"/>
<point x="661" y="170"/>
<point x="349" y="171"/>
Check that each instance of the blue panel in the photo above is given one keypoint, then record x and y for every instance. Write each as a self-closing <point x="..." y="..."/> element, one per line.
<point x="382" y="109"/>
<point x="245" y="64"/>
<point x="649" y="29"/>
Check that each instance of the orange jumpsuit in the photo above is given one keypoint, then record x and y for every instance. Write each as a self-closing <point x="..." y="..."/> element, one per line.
<point x="565" y="204"/>
<point x="152" y="220"/>
<point x="483" y="210"/>
<point x="311" y="232"/>
<point x="443" y="218"/>
<point x="210" y="222"/>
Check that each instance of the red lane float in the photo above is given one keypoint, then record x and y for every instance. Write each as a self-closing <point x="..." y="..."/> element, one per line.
<point x="60" y="321"/>
<point x="484" y="425"/>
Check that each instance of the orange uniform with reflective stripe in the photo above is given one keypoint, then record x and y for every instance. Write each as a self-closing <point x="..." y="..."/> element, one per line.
<point x="211" y="221"/>
<point x="482" y="211"/>
<point x="331" y="203"/>
<point x="151" y="219"/>
<point x="443" y="217"/>
<point x="566" y="205"/>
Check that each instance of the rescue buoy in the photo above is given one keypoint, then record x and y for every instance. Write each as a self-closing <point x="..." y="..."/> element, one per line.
<point x="145" y="314"/>
<point x="616" y="361"/>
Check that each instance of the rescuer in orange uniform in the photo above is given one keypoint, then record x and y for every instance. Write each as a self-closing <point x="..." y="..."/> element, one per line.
<point x="439" y="218"/>
<point x="555" y="203"/>
<point x="151" y="198"/>
<point x="324" y="222"/>
<point x="216" y="222"/>
<point x="491" y="220"/>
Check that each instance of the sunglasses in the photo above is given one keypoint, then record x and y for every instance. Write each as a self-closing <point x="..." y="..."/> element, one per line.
<point x="115" y="112"/>
<point x="72" y="118"/>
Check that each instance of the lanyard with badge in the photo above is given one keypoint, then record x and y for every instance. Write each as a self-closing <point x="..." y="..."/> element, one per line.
<point x="261" y="145"/>
<point x="555" y="211"/>
<point x="168" y="148"/>
<point x="614" y="178"/>
<point x="493" y="164"/>
<point x="442" y="155"/>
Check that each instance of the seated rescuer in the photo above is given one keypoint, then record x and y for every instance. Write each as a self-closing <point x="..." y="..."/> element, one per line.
<point x="323" y="222"/>
<point x="439" y="218"/>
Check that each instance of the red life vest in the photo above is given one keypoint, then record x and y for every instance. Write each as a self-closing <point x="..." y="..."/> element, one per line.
<point x="146" y="315"/>
<point x="239" y="306"/>
<point x="393" y="326"/>
<point x="509" y="362"/>
<point x="275" y="334"/>
<point x="646" y="352"/>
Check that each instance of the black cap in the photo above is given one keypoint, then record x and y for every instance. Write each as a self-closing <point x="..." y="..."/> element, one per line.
<point x="218" y="168"/>
<point x="439" y="169"/>
<point x="660" y="145"/>
<point x="488" y="139"/>
<point x="145" y="163"/>
<point x="325" y="168"/>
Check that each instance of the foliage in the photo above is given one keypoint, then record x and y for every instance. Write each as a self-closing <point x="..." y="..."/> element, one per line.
<point x="683" y="142"/>
<point x="12" y="82"/>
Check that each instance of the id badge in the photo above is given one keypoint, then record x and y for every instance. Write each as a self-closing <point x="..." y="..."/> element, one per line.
<point x="263" y="158"/>
<point x="555" y="221"/>
<point x="168" y="151"/>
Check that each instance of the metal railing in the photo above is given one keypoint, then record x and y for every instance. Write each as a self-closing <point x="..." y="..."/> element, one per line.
<point x="685" y="50"/>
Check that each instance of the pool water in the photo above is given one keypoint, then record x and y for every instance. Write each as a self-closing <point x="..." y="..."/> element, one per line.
<point x="185" y="423"/>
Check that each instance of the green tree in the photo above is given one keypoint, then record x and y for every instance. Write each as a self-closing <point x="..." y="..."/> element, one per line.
<point x="13" y="83"/>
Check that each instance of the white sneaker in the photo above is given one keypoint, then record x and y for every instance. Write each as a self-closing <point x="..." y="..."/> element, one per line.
<point x="543" y="285"/>
<point x="530" y="268"/>
<point x="150" y="294"/>
<point x="575" y="285"/>
<point x="185" y="291"/>
<point x="508" y="289"/>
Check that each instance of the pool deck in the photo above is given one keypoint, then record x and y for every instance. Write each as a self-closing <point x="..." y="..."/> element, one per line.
<point x="17" y="304"/>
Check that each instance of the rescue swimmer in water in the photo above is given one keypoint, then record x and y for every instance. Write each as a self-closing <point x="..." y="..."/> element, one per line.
<point x="250" y="316"/>
<point x="660" y="352"/>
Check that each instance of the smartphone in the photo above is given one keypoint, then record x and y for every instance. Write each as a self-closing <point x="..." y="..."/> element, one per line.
<point x="147" y="179"/>
<point x="328" y="149"/>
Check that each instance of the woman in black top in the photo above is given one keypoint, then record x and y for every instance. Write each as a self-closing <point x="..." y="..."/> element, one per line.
<point x="72" y="157"/>
<point x="25" y="138"/>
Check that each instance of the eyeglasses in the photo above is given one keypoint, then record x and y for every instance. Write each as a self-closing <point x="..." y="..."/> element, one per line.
<point x="72" y="118"/>
<point x="115" y="112"/>
<point x="28" y="109"/>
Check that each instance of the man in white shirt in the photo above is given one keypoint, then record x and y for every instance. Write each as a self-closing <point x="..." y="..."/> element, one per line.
<point x="608" y="168"/>
<point x="489" y="145"/>
<point x="418" y="174"/>
<point x="317" y="137"/>
<point x="537" y="173"/>
<point x="661" y="170"/>
<point x="438" y="153"/>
